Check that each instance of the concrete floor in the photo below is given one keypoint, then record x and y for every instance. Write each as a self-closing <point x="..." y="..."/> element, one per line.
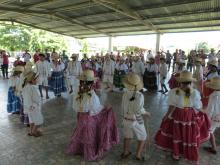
<point x="16" y="148"/>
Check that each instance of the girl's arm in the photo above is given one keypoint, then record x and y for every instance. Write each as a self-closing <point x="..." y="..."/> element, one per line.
<point x="170" y="111"/>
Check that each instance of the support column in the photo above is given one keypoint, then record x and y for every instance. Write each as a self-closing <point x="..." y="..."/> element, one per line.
<point x="110" y="46"/>
<point x="158" y="42"/>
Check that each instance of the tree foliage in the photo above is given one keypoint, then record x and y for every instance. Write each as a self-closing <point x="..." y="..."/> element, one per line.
<point x="19" y="38"/>
<point x="202" y="45"/>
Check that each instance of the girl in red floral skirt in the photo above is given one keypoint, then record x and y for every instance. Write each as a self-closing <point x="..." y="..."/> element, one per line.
<point x="185" y="126"/>
<point x="96" y="130"/>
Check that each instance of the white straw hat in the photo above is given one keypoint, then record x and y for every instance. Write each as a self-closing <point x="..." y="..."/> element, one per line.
<point x="214" y="83"/>
<point x="19" y="69"/>
<point x="30" y="76"/>
<point x="185" y="76"/>
<point x="133" y="82"/>
<point x="88" y="75"/>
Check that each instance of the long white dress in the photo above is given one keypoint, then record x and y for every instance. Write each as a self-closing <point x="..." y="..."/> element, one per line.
<point x="32" y="104"/>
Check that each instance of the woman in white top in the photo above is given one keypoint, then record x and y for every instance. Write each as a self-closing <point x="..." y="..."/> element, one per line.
<point x="133" y="112"/>
<point x="14" y="102"/>
<point x="150" y="75"/>
<point x="96" y="130"/>
<point x="32" y="103"/>
<point x="57" y="78"/>
<point x="198" y="74"/>
<point x="73" y="70"/>
<point x="213" y="111"/>
<point x="185" y="126"/>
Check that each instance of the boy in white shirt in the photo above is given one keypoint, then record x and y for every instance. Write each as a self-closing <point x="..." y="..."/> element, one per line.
<point x="133" y="112"/>
<point x="163" y="75"/>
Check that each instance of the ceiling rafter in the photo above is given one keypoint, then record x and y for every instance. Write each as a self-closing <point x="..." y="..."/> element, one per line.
<point x="56" y="14"/>
<point x="40" y="4"/>
<point x="122" y="8"/>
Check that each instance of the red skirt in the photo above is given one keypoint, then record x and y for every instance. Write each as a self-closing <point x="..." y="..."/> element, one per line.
<point x="94" y="135"/>
<point x="183" y="132"/>
<point x="172" y="82"/>
<point x="205" y="95"/>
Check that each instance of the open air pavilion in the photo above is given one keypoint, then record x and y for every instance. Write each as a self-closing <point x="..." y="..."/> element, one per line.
<point x="87" y="19"/>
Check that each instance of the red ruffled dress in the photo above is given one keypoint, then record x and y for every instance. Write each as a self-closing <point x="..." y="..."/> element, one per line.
<point x="96" y="131"/>
<point x="186" y="128"/>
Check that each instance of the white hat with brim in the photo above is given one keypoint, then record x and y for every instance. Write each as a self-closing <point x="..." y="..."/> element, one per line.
<point x="18" y="69"/>
<point x="88" y="75"/>
<point x="185" y="76"/>
<point x="133" y="82"/>
<point x="31" y="76"/>
<point x="214" y="83"/>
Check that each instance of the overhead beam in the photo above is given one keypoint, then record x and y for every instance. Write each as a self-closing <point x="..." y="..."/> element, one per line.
<point x="122" y="8"/>
<point x="43" y="3"/>
<point x="56" y="14"/>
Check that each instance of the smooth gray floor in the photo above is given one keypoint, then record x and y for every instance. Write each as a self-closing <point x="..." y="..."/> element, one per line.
<point x="16" y="148"/>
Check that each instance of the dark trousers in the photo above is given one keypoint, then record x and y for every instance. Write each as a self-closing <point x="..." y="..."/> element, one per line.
<point x="189" y="67"/>
<point x="168" y="64"/>
<point x="5" y="70"/>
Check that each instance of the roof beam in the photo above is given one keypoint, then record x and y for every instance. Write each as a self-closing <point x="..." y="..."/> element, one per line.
<point x="40" y="4"/>
<point x="56" y="14"/>
<point x="122" y="8"/>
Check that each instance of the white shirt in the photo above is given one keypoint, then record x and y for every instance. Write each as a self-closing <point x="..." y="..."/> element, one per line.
<point x="74" y="68"/>
<point x="198" y="73"/>
<point x="43" y="68"/>
<point x="131" y="108"/>
<point x="109" y="67"/>
<point x="214" y="106"/>
<point x="163" y="70"/>
<point x="57" y="67"/>
<point x="13" y="81"/>
<point x="121" y="67"/>
<point x="26" y="57"/>
<point x="138" y="67"/>
<point x="179" y="100"/>
<point x="88" y="103"/>
<point x="149" y="55"/>
<point x="31" y="97"/>
<point x="211" y="57"/>
<point x="212" y="75"/>
<point x="152" y="68"/>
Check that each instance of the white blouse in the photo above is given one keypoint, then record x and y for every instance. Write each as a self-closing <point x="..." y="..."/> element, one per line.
<point x="13" y="81"/>
<point x="131" y="108"/>
<point x="74" y="68"/>
<point x="57" y="68"/>
<point x="88" y="103"/>
<point x="152" y="68"/>
<point x="180" y="100"/>
<point x="138" y="68"/>
<point x="212" y="75"/>
<point x="31" y="97"/>
<point x="43" y="68"/>
<point x="198" y="73"/>
<point x="121" y="67"/>
<point x="214" y="106"/>
<point x="109" y="67"/>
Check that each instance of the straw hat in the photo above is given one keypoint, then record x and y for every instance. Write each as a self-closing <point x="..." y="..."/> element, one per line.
<point x="74" y="55"/>
<point x="185" y="76"/>
<point x="213" y="63"/>
<point x="214" y="83"/>
<point x="133" y="82"/>
<point x="30" y="76"/>
<point x="88" y="75"/>
<point x="19" y="69"/>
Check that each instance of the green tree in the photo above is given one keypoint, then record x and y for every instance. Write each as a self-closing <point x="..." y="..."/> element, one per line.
<point x="134" y="49"/>
<point x="85" y="46"/>
<point x="14" y="38"/>
<point x="202" y="45"/>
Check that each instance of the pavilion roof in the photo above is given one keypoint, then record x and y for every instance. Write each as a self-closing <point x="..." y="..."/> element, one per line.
<point x="97" y="18"/>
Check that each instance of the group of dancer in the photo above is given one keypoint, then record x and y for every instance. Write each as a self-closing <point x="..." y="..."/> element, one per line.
<point x="192" y="117"/>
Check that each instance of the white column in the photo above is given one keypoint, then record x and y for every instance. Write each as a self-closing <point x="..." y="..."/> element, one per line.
<point x="110" y="46"/>
<point x="158" y="42"/>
